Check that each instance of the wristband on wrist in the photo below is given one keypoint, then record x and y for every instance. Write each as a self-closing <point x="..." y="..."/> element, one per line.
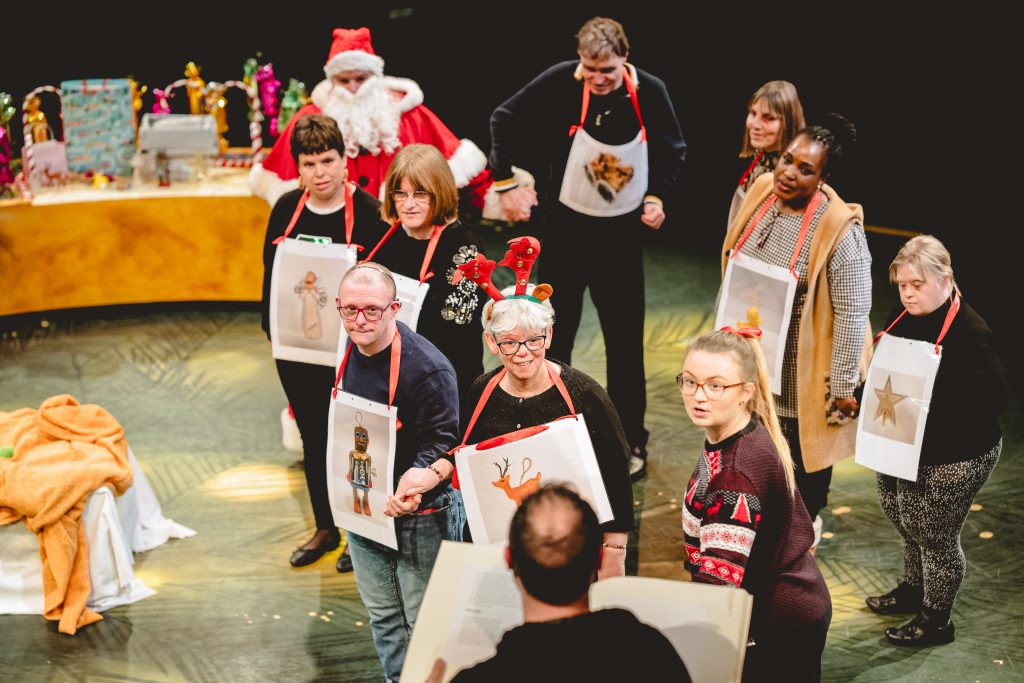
<point x="617" y="546"/>
<point x="433" y="468"/>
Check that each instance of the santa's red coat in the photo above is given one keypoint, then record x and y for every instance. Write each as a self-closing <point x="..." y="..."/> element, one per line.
<point x="278" y="174"/>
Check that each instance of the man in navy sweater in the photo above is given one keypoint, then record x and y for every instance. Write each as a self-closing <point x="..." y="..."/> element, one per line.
<point x="426" y="396"/>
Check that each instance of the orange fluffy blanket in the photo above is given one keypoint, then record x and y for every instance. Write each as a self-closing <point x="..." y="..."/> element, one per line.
<point x="62" y="453"/>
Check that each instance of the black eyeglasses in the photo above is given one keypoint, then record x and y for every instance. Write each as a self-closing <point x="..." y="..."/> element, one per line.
<point x="713" y="389"/>
<point x="511" y="347"/>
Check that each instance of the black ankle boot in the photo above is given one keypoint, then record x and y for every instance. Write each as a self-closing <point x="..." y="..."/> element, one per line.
<point x="929" y="627"/>
<point x="903" y="599"/>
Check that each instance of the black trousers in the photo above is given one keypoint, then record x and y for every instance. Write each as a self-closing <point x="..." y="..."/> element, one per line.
<point x="308" y="388"/>
<point x="604" y="255"/>
<point x="813" y="486"/>
<point x="787" y="652"/>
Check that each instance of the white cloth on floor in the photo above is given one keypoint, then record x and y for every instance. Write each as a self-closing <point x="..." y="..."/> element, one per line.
<point x="114" y="528"/>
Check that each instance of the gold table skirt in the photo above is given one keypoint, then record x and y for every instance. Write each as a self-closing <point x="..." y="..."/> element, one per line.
<point x="130" y="251"/>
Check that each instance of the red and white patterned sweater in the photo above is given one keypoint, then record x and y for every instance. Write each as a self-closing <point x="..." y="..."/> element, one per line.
<point x="742" y="527"/>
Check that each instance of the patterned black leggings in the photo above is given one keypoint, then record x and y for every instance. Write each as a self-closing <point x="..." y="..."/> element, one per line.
<point x="929" y="515"/>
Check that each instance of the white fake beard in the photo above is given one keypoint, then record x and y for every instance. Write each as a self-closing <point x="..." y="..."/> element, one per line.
<point x="368" y="119"/>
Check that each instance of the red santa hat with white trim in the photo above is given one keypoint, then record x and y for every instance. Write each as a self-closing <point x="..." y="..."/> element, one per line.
<point x="351" y="50"/>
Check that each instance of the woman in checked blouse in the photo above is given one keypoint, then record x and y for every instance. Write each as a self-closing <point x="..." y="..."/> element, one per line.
<point x="828" y="334"/>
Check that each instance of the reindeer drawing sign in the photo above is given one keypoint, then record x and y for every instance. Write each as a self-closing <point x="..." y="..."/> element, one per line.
<point x="517" y="493"/>
<point x="558" y="451"/>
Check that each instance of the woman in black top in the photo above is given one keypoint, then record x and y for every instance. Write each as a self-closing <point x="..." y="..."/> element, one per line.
<point x="961" y="444"/>
<point x="318" y="148"/>
<point x="426" y="242"/>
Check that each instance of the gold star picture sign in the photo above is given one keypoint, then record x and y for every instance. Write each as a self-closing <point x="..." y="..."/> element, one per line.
<point x="887" y="400"/>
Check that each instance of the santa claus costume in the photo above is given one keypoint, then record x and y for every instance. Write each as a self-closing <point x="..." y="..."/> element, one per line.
<point x="384" y="114"/>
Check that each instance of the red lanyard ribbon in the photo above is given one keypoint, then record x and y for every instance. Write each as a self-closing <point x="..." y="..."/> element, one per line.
<point x="556" y="379"/>
<point x="805" y="227"/>
<point x="954" y="308"/>
<point x="350" y="215"/>
<point x="630" y="88"/>
<point x="750" y="169"/>
<point x="396" y="361"/>
<point x="435" y="237"/>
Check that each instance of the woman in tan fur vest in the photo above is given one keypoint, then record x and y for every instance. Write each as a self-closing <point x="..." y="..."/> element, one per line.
<point x="829" y="335"/>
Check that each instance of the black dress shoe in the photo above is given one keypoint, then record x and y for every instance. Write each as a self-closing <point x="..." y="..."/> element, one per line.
<point x="344" y="564"/>
<point x="303" y="556"/>
<point x="924" y="629"/>
<point x="903" y="599"/>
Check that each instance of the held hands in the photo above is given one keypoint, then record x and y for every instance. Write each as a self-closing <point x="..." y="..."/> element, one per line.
<point x="414" y="483"/>
<point x="653" y="216"/>
<point x="517" y="203"/>
<point x="847" y="406"/>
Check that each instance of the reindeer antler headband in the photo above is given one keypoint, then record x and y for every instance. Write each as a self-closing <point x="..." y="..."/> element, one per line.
<point x="520" y="257"/>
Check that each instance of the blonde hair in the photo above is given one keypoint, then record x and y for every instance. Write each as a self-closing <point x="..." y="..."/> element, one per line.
<point x="746" y="351"/>
<point x="499" y="317"/>
<point x="924" y="254"/>
<point x="426" y="169"/>
<point x="781" y="99"/>
<point x="601" y="37"/>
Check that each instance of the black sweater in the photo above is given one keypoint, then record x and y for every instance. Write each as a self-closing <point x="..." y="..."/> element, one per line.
<point x="505" y="413"/>
<point x="456" y="333"/>
<point x="970" y="389"/>
<point x="531" y="128"/>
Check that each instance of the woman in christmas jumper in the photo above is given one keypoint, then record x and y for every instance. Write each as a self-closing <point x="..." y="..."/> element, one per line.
<point x="518" y="330"/>
<point x="318" y="148"/>
<point x="955" y="461"/>
<point x="427" y="242"/>
<point x="774" y="117"/>
<point x="796" y="221"/>
<point x="744" y="523"/>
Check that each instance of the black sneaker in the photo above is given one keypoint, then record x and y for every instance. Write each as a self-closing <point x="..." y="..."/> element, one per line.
<point x="637" y="464"/>
<point x="922" y="630"/>
<point x="903" y="599"/>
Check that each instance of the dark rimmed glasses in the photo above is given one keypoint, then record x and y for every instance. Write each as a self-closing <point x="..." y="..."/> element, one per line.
<point x="511" y="347"/>
<point x="712" y="389"/>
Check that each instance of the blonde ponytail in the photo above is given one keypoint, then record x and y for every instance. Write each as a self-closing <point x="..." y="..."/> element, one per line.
<point x="746" y="351"/>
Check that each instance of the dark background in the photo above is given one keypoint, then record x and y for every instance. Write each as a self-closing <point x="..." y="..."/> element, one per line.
<point x="928" y="91"/>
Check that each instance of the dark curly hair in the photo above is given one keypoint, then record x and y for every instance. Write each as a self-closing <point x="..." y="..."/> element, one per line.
<point x="836" y="133"/>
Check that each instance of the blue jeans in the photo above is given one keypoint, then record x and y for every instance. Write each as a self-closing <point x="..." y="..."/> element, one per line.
<point x="392" y="582"/>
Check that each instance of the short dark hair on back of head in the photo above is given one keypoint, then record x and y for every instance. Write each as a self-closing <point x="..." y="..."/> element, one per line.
<point x="316" y="134"/>
<point x="554" y="543"/>
<point x="602" y="37"/>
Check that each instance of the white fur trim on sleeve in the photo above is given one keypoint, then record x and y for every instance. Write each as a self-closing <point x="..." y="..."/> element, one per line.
<point x="268" y="185"/>
<point x="412" y="94"/>
<point x="467" y="162"/>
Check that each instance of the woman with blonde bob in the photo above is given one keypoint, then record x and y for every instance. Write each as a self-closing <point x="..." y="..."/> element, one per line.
<point x="426" y="241"/>
<point x="518" y="330"/>
<point x="956" y="456"/>
<point x="744" y="523"/>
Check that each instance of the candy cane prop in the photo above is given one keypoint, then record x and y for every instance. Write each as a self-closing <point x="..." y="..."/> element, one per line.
<point x="27" y="154"/>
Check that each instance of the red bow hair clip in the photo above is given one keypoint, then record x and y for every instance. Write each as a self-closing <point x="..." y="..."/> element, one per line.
<point x="746" y="332"/>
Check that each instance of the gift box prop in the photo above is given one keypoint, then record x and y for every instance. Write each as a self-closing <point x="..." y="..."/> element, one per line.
<point x="99" y="125"/>
<point x="45" y="158"/>
<point x="209" y="98"/>
<point x="897" y="395"/>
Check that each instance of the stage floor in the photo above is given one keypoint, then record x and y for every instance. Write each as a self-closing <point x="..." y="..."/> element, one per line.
<point x="199" y="397"/>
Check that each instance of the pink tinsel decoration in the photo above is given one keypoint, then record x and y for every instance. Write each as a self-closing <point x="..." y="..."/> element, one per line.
<point x="162" y="106"/>
<point x="6" y="176"/>
<point x="268" y="87"/>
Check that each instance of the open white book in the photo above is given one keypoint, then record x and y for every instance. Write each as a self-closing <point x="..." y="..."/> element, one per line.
<point x="472" y="600"/>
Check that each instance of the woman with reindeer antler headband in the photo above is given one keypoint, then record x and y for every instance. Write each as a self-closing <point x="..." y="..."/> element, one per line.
<point x="518" y="326"/>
